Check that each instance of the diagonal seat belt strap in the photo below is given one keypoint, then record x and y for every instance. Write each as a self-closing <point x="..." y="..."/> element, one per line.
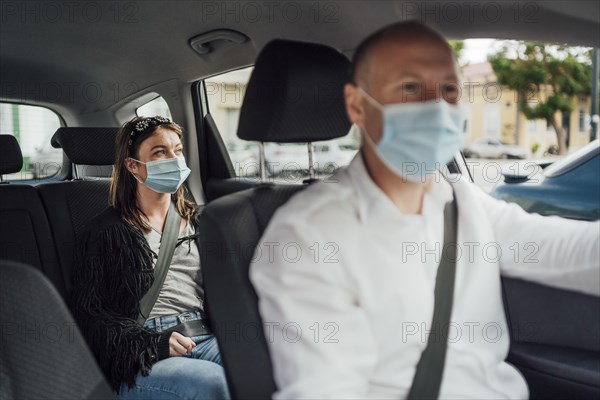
<point x="165" y="255"/>
<point x="428" y="376"/>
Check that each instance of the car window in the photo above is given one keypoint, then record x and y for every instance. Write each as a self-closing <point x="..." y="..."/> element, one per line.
<point x="33" y="127"/>
<point x="285" y="162"/>
<point x="157" y="106"/>
<point x="574" y="159"/>
<point x="588" y="171"/>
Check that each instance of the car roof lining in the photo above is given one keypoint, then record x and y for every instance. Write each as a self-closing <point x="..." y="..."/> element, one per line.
<point x="87" y="68"/>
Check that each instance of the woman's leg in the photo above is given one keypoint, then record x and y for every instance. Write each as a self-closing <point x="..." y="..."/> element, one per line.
<point x="179" y="378"/>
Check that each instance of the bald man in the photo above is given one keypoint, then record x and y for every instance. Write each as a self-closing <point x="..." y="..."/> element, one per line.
<point x="347" y="296"/>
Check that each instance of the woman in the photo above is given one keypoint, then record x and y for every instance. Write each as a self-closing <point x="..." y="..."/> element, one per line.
<point x="114" y="270"/>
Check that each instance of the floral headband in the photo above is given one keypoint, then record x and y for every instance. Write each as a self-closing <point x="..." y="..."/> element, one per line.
<point x="146" y="123"/>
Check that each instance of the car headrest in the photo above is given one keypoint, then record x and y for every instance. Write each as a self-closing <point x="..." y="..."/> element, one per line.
<point x="295" y="94"/>
<point x="87" y="146"/>
<point x="12" y="158"/>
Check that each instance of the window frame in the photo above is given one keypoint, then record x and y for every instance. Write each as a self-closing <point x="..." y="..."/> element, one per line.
<point x="65" y="171"/>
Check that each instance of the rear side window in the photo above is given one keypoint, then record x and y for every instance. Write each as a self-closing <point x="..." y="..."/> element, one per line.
<point x="33" y="127"/>
<point x="158" y="106"/>
<point x="286" y="163"/>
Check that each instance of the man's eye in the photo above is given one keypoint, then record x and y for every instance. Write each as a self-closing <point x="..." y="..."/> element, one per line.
<point x="410" y="87"/>
<point x="450" y="89"/>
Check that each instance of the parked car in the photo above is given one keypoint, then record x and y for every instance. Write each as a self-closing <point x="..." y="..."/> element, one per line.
<point x="244" y="157"/>
<point x="291" y="158"/>
<point x="493" y="148"/>
<point x="569" y="188"/>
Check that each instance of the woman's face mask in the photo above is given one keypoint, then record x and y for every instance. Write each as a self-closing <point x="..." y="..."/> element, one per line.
<point x="418" y="138"/>
<point x="165" y="176"/>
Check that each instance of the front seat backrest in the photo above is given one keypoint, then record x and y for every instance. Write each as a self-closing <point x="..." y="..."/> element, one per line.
<point x="42" y="352"/>
<point x="295" y="94"/>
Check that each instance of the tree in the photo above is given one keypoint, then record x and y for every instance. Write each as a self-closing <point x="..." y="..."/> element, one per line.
<point x="546" y="78"/>
<point x="458" y="47"/>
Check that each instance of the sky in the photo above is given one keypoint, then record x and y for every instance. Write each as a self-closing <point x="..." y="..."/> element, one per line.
<point x="476" y="50"/>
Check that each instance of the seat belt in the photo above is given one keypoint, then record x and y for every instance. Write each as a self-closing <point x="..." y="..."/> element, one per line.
<point x="428" y="376"/>
<point x="165" y="255"/>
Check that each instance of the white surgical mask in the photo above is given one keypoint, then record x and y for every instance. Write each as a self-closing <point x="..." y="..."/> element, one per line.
<point x="165" y="176"/>
<point x="418" y="138"/>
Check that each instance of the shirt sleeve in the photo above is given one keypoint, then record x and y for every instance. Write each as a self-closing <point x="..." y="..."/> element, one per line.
<point x="555" y="251"/>
<point x="320" y="339"/>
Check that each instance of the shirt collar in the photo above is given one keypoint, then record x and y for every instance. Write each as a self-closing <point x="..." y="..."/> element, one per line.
<point x="372" y="200"/>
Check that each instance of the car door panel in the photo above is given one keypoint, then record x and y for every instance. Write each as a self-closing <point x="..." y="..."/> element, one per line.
<point x="216" y="169"/>
<point x="555" y="339"/>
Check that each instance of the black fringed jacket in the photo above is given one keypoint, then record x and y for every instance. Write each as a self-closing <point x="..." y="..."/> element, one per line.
<point x="112" y="271"/>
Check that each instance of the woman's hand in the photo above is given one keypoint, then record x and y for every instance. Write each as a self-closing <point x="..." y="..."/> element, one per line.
<point x="179" y="345"/>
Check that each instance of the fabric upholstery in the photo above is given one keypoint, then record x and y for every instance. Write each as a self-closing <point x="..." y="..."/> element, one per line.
<point x="295" y="94"/>
<point x="236" y="223"/>
<point x="12" y="159"/>
<point x="43" y="355"/>
<point x="87" y="146"/>
<point x="25" y="234"/>
<point x="70" y="206"/>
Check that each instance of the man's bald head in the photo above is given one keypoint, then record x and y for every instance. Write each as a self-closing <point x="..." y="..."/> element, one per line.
<point x="402" y="32"/>
<point x="402" y="63"/>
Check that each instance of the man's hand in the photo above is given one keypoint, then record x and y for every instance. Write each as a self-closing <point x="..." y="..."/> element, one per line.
<point x="180" y="345"/>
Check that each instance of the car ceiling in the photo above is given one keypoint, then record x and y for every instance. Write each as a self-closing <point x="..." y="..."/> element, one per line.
<point x="126" y="48"/>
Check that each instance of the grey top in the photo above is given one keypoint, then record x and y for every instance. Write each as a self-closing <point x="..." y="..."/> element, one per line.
<point x="183" y="288"/>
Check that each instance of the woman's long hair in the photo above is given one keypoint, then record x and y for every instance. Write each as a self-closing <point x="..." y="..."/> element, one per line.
<point x="123" y="187"/>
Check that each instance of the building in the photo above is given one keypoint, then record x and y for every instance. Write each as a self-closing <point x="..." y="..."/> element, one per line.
<point x="493" y="114"/>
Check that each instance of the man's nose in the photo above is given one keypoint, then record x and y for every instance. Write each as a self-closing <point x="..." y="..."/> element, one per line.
<point x="431" y="92"/>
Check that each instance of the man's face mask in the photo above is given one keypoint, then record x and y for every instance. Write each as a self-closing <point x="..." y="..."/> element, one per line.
<point x="418" y="138"/>
<point x="165" y="176"/>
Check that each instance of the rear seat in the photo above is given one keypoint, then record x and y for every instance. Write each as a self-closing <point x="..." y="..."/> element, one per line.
<point x="71" y="204"/>
<point x="40" y="225"/>
<point x="25" y="234"/>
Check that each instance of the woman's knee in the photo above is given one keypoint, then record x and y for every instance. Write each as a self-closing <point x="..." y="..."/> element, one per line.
<point x="210" y="376"/>
<point x="200" y="377"/>
<point x="183" y="378"/>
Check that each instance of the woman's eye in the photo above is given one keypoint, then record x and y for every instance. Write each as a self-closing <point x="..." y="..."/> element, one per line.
<point x="178" y="150"/>
<point x="159" y="153"/>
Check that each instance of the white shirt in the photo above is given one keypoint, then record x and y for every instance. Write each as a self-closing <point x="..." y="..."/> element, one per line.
<point x="345" y="284"/>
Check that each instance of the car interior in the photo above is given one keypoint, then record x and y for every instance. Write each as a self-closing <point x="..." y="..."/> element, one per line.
<point x="34" y="313"/>
<point x="103" y="60"/>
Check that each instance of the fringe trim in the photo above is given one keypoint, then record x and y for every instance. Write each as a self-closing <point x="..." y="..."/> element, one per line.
<point x="112" y="271"/>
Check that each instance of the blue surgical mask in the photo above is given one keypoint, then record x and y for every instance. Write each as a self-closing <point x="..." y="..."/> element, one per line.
<point x="165" y="176"/>
<point x="418" y="138"/>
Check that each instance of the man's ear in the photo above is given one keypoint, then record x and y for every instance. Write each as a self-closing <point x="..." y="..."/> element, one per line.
<point x="354" y="104"/>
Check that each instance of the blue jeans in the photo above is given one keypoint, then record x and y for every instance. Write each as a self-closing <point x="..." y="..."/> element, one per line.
<point x="196" y="375"/>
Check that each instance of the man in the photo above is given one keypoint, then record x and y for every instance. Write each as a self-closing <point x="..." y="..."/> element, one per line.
<point x="348" y="294"/>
